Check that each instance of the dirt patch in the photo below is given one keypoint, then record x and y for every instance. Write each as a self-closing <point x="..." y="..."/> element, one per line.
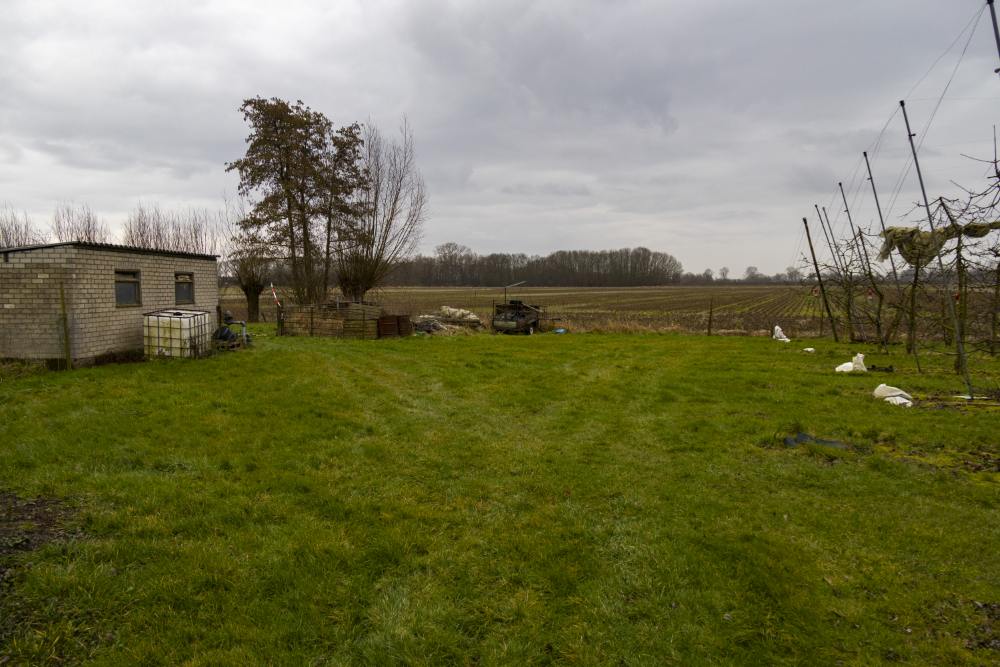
<point x="13" y="369"/>
<point x="26" y="525"/>
<point x="987" y="633"/>
<point x="981" y="462"/>
<point x="985" y="403"/>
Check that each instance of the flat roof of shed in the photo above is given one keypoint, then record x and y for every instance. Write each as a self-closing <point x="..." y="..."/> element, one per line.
<point x="110" y="247"/>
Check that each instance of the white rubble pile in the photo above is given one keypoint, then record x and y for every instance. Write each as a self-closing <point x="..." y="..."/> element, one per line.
<point x="449" y="313"/>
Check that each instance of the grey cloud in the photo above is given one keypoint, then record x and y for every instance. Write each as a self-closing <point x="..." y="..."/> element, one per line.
<point x="568" y="123"/>
<point x="546" y="189"/>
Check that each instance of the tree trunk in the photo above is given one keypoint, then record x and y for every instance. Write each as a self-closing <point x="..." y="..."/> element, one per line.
<point x="911" y="312"/>
<point x="252" y="294"/>
<point x="995" y="318"/>
<point x="849" y="301"/>
<point x="326" y="255"/>
<point x="293" y="252"/>
<point x="962" y="307"/>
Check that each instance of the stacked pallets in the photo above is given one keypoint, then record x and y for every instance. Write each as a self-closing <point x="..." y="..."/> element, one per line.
<point x="392" y="326"/>
<point x="362" y="321"/>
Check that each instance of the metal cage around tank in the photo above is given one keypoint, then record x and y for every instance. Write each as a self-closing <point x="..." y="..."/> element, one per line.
<point x="176" y="333"/>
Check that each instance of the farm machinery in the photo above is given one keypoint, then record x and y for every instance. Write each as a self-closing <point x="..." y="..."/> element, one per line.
<point x="514" y="316"/>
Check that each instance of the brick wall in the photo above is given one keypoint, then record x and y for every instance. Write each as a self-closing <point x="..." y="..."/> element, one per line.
<point x="30" y="320"/>
<point x="30" y="315"/>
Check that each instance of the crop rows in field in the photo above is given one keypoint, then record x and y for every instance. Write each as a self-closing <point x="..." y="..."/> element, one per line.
<point x="735" y="309"/>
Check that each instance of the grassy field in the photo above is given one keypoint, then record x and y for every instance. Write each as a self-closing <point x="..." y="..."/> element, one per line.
<point x="577" y="499"/>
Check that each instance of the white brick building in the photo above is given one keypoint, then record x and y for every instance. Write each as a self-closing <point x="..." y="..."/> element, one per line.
<point x="106" y="290"/>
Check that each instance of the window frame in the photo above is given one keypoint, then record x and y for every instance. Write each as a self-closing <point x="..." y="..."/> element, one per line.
<point x="190" y="281"/>
<point x="136" y="280"/>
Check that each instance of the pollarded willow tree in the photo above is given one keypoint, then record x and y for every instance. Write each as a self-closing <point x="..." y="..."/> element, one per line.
<point x="247" y="257"/>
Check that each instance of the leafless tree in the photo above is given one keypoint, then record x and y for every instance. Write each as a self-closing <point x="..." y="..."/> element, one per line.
<point x="16" y="229"/>
<point x="78" y="223"/>
<point x="146" y="227"/>
<point x="249" y="258"/>
<point x="192" y="230"/>
<point x="393" y="206"/>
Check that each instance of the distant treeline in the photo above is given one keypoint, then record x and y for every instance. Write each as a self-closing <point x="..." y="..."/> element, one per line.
<point x="456" y="265"/>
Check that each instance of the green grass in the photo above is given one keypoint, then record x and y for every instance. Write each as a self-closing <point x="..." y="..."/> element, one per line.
<point x="583" y="499"/>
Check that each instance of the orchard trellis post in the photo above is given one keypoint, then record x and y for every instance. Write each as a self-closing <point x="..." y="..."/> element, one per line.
<point x="959" y="345"/>
<point x="819" y="279"/>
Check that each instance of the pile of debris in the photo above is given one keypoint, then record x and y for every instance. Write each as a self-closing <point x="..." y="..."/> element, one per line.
<point x="446" y="321"/>
<point x="459" y="316"/>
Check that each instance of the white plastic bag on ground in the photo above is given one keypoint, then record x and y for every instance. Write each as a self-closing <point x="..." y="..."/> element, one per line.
<point x="855" y="365"/>
<point x="778" y="334"/>
<point x="893" y="395"/>
<point x="899" y="400"/>
<point x="886" y="391"/>
<point x="810" y="350"/>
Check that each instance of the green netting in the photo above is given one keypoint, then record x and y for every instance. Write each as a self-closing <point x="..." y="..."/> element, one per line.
<point x="919" y="247"/>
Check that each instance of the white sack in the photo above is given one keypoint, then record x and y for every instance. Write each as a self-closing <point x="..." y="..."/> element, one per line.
<point x="855" y="365"/>
<point x="899" y="400"/>
<point x="886" y="391"/>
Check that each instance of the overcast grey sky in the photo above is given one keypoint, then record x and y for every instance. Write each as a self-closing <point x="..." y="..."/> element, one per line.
<point x="703" y="129"/>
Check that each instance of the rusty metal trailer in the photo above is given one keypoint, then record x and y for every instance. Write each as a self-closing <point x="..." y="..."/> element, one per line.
<point x="517" y="317"/>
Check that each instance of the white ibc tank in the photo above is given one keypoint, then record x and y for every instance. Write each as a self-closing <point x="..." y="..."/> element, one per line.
<point x="176" y="333"/>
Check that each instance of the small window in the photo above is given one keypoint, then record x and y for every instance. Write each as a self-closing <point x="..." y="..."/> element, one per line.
<point x="183" y="288"/>
<point x="127" y="289"/>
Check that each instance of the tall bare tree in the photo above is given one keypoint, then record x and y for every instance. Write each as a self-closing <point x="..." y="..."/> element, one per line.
<point x="393" y="207"/>
<point x="78" y="223"/>
<point x="16" y="229"/>
<point x="190" y="230"/>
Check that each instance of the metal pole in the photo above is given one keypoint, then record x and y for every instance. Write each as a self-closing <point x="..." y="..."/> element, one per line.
<point x="857" y="249"/>
<point x="930" y="220"/>
<point x="881" y="218"/>
<point x="834" y="244"/>
<point x="829" y="242"/>
<point x="847" y="209"/>
<point x="819" y="279"/>
<point x="846" y="277"/>
<point x="996" y="31"/>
